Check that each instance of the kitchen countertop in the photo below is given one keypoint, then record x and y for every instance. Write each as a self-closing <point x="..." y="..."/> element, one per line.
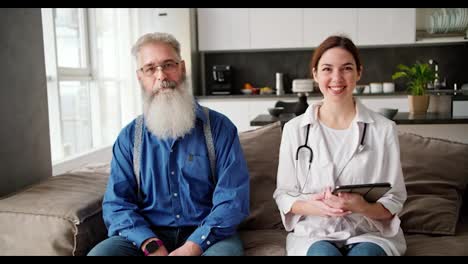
<point x="402" y="118"/>
<point x="289" y="96"/>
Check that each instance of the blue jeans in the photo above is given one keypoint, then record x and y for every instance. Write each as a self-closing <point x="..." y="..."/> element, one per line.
<point x="326" y="248"/>
<point x="172" y="238"/>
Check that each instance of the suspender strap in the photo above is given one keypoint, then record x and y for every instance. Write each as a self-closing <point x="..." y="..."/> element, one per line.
<point x="210" y="144"/>
<point x="137" y="150"/>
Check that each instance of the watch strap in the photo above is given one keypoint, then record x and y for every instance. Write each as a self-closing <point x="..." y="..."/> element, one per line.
<point x="158" y="242"/>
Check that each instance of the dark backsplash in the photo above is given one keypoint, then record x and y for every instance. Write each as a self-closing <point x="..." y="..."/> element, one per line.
<point x="259" y="68"/>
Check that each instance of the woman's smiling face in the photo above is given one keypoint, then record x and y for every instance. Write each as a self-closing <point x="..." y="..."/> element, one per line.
<point x="337" y="74"/>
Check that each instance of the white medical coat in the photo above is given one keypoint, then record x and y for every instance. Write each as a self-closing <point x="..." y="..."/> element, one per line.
<point x="379" y="161"/>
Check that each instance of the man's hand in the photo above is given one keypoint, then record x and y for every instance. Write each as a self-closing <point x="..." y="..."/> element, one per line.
<point x="189" y="248"/>
<point x="162" y="251"/>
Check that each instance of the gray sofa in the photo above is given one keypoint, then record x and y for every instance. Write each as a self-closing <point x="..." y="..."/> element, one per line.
<point x="62" y="215"/>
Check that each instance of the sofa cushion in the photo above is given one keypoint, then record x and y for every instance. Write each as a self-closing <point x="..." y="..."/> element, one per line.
<point x="59" y="216"/>
<point x="430" y="245"/>
<point x="436" y="174"/>
<point x="264" y="242"/>
<point x="261" y="151"/>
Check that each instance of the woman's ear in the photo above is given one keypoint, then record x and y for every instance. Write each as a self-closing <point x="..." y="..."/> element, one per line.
<point x="359" y="73"/>
<point x="314" y="74"/>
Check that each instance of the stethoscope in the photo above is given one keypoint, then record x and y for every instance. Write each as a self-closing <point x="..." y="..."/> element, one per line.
<point x="311" y="157"/>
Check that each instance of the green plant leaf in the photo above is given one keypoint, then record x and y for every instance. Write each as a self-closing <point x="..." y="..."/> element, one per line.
<point x="418" y="76"/>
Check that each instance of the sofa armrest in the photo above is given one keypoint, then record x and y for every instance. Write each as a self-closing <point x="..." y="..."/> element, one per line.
<point x="59" y="216"/>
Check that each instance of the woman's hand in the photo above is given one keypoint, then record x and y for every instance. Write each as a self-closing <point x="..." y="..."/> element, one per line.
<point x="352" y="202"/>
<point x="316" y="206"/>
<point x="355" y="203"/>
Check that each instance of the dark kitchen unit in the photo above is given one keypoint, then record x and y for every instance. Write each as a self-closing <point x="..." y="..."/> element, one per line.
<point x="258" y="67"/>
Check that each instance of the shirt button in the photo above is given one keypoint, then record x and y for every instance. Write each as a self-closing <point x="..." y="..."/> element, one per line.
<point x="203" y="237"/>
<point x="175" y="194"/>
<point x="172" y="173"/>
<point x="208" y="242"/>
<point x="178" y="216"/>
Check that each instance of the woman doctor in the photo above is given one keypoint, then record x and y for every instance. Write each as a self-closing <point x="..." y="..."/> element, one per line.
<point x="338" y="141"/>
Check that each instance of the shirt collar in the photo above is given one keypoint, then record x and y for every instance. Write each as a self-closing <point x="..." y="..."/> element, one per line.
<point x="362" y="113"/>
<point x="199" y="112"/>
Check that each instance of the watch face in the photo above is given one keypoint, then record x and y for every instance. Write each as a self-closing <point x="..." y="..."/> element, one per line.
<point x="152" y="246"/>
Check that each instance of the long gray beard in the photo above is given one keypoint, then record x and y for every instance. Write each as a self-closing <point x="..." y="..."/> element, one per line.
<point x="170" y="114"/>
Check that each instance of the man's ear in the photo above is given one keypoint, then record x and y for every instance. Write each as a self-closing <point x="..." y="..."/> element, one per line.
<point x="184" y="70"/>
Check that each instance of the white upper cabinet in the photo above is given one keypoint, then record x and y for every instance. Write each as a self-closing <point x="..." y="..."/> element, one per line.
<point x="272" y="28"/>
<point x="265" y="28"/>
<point x="320" y="23"/>
<point x="223" y="29"/>
<point x="384" y="26"/>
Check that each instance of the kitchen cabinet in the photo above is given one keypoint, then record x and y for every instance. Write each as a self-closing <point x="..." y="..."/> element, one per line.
<point x="266" y="28"/>
<point x="423" y="26"/>
<point x="386" y="26"/>
<point x="319" y="23"/>
<point x="223" y="29"/>
<point x="460" y="108"/>
<point x="272" y="28"/>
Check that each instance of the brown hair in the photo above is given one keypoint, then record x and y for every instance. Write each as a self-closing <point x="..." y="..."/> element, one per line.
<point x="332" y="42"/>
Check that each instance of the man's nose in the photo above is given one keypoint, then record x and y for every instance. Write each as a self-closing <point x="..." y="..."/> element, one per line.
<point x="160" y="74"/>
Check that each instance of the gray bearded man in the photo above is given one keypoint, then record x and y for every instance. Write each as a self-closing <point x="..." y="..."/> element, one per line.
<point x="179" y="183"/>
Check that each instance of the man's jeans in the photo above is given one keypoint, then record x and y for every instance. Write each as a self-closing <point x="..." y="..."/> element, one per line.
<point x="172" y="239"/>
<point x="325" y="248"/>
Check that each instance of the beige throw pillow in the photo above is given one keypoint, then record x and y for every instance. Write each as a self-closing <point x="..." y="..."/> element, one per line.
<point x="436" y="174"/>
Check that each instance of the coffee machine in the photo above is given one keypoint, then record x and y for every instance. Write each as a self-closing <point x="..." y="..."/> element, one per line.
<point x="221" y="83"/>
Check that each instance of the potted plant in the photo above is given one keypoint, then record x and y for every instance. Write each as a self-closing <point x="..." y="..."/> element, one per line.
<point x="419" y="75"/>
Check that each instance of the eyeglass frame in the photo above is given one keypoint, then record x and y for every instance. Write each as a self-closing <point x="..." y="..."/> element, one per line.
<point x="161" y="67"/>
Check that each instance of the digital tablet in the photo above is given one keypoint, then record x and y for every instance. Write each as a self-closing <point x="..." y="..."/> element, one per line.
<point x="371" y="192"/>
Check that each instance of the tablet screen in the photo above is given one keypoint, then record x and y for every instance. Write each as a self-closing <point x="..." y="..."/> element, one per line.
<point x="371" y="192"/>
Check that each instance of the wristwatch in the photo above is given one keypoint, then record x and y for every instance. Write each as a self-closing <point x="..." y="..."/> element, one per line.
<point x="152" y="247"/>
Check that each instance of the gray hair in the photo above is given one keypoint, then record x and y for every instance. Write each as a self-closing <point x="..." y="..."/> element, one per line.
<point x="156" y="37"/>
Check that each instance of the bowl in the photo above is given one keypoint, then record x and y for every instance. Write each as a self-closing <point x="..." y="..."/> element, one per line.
<point x="275" y="111"/>
<point x="246" y="91"/>
<point x="359" y="89"/>
<point x="388" y="112"/>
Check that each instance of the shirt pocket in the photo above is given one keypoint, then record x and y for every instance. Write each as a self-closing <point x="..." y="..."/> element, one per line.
<point x="197" y="173"/>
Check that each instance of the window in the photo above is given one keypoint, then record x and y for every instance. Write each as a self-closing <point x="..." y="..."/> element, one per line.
<point x="92" y="93"/>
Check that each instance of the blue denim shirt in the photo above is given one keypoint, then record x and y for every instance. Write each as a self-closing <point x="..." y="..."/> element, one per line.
<point x="176" y="184"/>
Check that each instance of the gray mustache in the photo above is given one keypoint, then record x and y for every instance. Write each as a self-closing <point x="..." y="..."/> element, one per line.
<point x="163" y="85"/>
<point x="168" y="84"/>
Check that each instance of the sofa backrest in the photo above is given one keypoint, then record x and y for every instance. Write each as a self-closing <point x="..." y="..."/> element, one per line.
<point x="261" y="151"/>
<point x="436" y="175"/>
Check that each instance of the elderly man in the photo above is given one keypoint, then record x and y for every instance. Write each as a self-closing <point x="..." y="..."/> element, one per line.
<point x="179" y="183"/>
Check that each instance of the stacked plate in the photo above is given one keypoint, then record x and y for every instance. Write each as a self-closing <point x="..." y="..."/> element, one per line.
<point x="447" y="20"/>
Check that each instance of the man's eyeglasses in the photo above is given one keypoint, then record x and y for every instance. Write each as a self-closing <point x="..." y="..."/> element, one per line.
<point x="167" y="67"/>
